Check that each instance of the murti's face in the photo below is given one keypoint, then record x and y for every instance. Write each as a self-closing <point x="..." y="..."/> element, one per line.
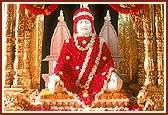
<point x="84" y="26"/>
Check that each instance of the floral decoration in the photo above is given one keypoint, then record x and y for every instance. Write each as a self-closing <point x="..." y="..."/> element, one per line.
<point x="127" y="8"/>
<point x="39" y="11"/>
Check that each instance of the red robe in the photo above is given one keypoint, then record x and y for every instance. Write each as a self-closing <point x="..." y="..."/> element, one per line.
<point x="71" y="57"/>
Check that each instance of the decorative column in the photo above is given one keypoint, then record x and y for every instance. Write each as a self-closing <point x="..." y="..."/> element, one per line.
<point x="8" y="43"/>
<point x="148" y="44"/>
<point x="29" y="19"/>
<point x="151" y="97"/>
<point x="138" y="27"/>
<point x="18" y="63"/>
<point x="127" y="48"/>
<point x="26" y="78"/>
<point x="36" y="51"/>
<point x="160" y="43"/>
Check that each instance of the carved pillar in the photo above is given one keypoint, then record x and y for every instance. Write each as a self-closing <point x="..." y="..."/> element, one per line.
<point x="18" y="63"/>
<point x="151" y="97"/>
<point x="8" y="43"/>
<point x="36" y="51"/>
<point x="127" y="48"/>
<point x="29" y="33"/>
<point x="138" y="27"/>
<point x="26" y="78"/>
<point x="29" y="20"/>
<point x="160" y="43"/>
<point x="36" y="22"/>
<point x="148" y="44"/>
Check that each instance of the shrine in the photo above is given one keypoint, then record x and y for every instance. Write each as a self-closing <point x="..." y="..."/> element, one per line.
<point x="137" y="46"/>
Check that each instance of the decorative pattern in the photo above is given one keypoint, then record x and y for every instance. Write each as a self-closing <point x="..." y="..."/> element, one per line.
<point x="8" y="45"/>
<point x="18" y="62"/>
<point x="127" y="44"/>
<point x="138" y="27"/>
<point x="160" y="43"/>
<point x="148" y="43"/>
<point x="151" y="99"/>
<point x="36" y="51"/>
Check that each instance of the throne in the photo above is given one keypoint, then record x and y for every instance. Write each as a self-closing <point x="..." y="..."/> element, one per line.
<point x="61" y="33"/>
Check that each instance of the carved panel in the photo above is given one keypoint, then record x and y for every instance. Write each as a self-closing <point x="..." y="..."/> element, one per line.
<point x="159" y="23"/>
<point x="127" y="47"/>
<point x="36" y="51"/>
<point x="8" y="43"/>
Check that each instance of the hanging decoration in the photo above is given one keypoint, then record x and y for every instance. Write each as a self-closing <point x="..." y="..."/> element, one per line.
<point x="127" y="8"/>
<point x="122" y="8"/>
<point x="39" y="11"/>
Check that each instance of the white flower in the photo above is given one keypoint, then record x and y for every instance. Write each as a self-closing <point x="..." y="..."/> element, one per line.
<point x="54" y="77"/>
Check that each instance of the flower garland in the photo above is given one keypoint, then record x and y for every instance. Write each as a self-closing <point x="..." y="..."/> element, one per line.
<point x="88" y="45"/>
<point x="39" y="11"/>
<point x="90" y="77"/>
<point x="129" y="9"/>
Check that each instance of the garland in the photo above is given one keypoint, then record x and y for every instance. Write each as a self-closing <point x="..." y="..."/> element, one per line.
<point x="39" y="11"/>
<point x="127" y="10"/>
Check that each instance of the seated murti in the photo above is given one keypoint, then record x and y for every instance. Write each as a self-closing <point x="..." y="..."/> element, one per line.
<point x="85" y="68"/>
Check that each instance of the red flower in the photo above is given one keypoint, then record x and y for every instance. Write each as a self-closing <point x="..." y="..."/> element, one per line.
<point x="30" y="107"/>
<point x="129" y="10"/>
<point x="38" y="11"/>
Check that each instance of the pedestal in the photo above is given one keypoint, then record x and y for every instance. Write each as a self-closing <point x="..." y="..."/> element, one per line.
<point x="46" y="79"/>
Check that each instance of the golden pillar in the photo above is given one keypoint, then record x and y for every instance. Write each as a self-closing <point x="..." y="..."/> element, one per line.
<point x="29" y="34"/>
<point x="138" y="27"/>
<point x="36" y="51"/>
<point x="18" y="63"/>
<point x="151" y="97"/>
<point x="127" y="48"/>
<point x="159" y="14"/>
<point x="22" y="44"/>
<point x="33" y="47"/>
<point x="8" y="43"/>
<point x="29" y="25"/>
<point x="148" y="44"/>
<point x="26" y="77"/>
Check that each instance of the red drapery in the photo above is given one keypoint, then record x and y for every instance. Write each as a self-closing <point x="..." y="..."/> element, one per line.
<point x="130" y="9"/>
